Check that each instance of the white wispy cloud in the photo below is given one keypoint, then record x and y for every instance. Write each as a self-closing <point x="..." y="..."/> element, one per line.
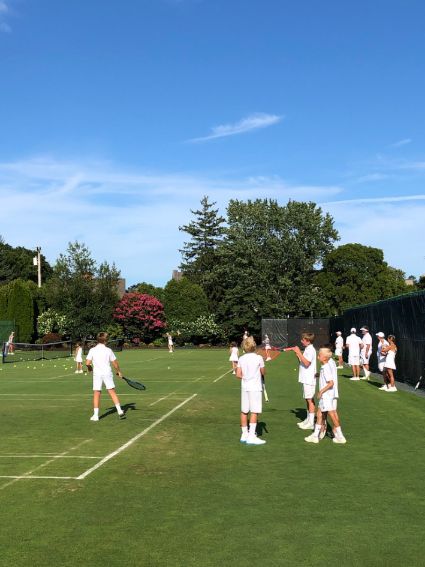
<point x="251" y="122"/>
<point x="394" y="225"/>
<point x="4" y="10"/>
<point x="372" y="177"/>
<point x="386" y="199"/>
<point x="51" y="202"/>
<point x="401" y="143"/>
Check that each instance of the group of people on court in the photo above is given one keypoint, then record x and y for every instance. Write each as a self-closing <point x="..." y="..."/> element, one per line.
<point x="250" y="369"/>
<point x="360" y="351"/>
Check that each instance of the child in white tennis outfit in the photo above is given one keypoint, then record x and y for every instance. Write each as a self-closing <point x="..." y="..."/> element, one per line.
<point x="307" y="376"/>
<point x="327" y="397"/>
<point x="234" y="356"/>
<point x="99" y="360"/>
<point x="250" y="370"/>
<point x="267" y="347"/>
<point x="78" y="358"/>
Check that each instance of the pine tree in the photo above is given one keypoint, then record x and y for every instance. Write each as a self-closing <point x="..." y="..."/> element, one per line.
<point x="199" y="255"/>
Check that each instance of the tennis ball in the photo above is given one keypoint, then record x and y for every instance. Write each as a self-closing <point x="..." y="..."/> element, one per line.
<point x="27" y="366"/>
<point x="169" y="368"/>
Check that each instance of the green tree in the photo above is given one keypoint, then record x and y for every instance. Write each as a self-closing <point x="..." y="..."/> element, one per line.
<point x="354" y="274"/>
<point x="184" y="300"/>
<point x="148" y="289"/>
<point x="83" y="291"/>
<point x="20" y="308"/>
<point x="199" y="254"/>
<point x="266" y="262"/>
<point x="17" y="263"/>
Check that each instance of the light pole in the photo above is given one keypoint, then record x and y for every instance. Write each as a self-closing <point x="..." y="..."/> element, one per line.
<point x="37" y="262"/>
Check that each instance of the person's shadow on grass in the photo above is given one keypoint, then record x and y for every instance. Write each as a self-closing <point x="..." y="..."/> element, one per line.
<point x="261" y="428"/>
<point x="125" y="408"/>
<point x="300" y="413"/>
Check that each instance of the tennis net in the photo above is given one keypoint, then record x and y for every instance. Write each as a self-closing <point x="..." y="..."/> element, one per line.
<point x="116" y="345"/>
<point x="22" y="352"/>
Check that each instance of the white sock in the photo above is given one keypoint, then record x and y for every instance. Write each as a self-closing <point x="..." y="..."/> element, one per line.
<point x="96" y="411"/>
<point x="317" y="429"/>
<point x="252" y="427"/>
<point x="244" y="429"/>
<point x="310" y="418"/>
<point x="338" y="432"/>
<point x="119" y="410"/>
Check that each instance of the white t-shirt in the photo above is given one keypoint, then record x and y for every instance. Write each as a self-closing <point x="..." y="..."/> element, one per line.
<point x="366" y="340"/>
<point x="170" y="340"/>
<point x="353" y="342"/>
<point x="382" y="356"/>
<point x="328" y="372"/>
<point x="339" y="343"/>
<point x="307" y="374"/>
<point x="101" y="357"/>
<point x="250" y="364"/>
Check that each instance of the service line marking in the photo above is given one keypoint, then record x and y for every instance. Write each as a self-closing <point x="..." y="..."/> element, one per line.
<point x="44" y="455"/>
<point x="27" y="474"/>
<point x="222" y="376"/>
<point x="133" y="439"/>
<point x="163" y="398"/>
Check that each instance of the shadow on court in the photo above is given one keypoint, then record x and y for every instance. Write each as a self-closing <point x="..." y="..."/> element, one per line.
<point x="125" y="408"/>
<point x="300" y="413"/>
<point x="261" y="428"/>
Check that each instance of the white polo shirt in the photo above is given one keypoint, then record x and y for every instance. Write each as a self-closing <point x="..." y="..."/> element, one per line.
<point x="307" y="374"/>
<point x="101" y="357"/>
<point x="250" y="364"/>
<point x="353" y="342"/>
<point x="366" y="340"/>
<point x="339" y="343"/>
<point x="329" y="372"/>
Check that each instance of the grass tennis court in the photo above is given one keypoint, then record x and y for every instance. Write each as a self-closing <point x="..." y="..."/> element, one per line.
<point x="185" y="492"/>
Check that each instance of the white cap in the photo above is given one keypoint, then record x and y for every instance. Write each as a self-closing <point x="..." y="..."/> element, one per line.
<point x="364" y="329"/>
<point x="353" y="330"/>
<point x="338" y="333"/>
<point x="381" y="335"/>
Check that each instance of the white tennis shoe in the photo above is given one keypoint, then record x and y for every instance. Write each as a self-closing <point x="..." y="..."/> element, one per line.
<point x="253" y="440"/>
<point x="94" y="418"/>
<point x="306" y="425"/>
<point x="311" y="438"/>
<point x="340" y="440"/>
<point x="355" y="378"/>
<point x="244" y="437"/>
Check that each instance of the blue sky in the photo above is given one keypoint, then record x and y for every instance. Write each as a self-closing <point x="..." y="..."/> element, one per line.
<point x="117" y="117"/>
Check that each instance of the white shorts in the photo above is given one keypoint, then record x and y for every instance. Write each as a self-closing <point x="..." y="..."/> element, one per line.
<point x="365" y="359"/>
<point x="233" y="359"/>
<point x="381" y="366"/>
<point x="108" y="380"/>
<point x="251" y="402"/>
<point x="354" y="360"/>
<point x="328" y="404"/>
<point x="338" y="351"/>
<point x="390" y="365"/>
<point x="308" y="391"/>
<point x="78" y="358"/>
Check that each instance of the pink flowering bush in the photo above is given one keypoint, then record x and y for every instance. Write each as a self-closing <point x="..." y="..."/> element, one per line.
<point x="141" y="316"/>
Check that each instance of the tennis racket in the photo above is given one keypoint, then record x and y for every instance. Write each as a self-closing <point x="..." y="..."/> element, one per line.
<point x="418" y="383"/>
<point x="134" y="384"/>
<point x="266" y="398"/>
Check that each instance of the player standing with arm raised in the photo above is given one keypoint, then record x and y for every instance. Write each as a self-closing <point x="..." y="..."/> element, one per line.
<point x="250" y="370"/>
<point x="307" y="376"/>
<point x="99" y="359"/>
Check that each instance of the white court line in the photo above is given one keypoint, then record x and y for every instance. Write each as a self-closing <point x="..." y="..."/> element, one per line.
<point x="133" y="439"/>
<point x="34" y="476"/>
<point x="27" y="474"/>
<point x="222" y="376"/>
<point x="163" y="398"/>
<point x="44" y="455"/>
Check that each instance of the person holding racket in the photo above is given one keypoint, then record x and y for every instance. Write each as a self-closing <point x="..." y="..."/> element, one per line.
<point x="99" y="360"/>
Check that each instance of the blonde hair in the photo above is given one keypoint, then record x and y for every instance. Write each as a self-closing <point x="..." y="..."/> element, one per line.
<point x="249" y="345"/>
<point x="326" y="351"/>
<point x="308" y="337"/>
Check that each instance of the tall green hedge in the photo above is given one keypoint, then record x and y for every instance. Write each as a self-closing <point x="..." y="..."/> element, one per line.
<point x="4" y="293"/>
<point x="20" y="307"/>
